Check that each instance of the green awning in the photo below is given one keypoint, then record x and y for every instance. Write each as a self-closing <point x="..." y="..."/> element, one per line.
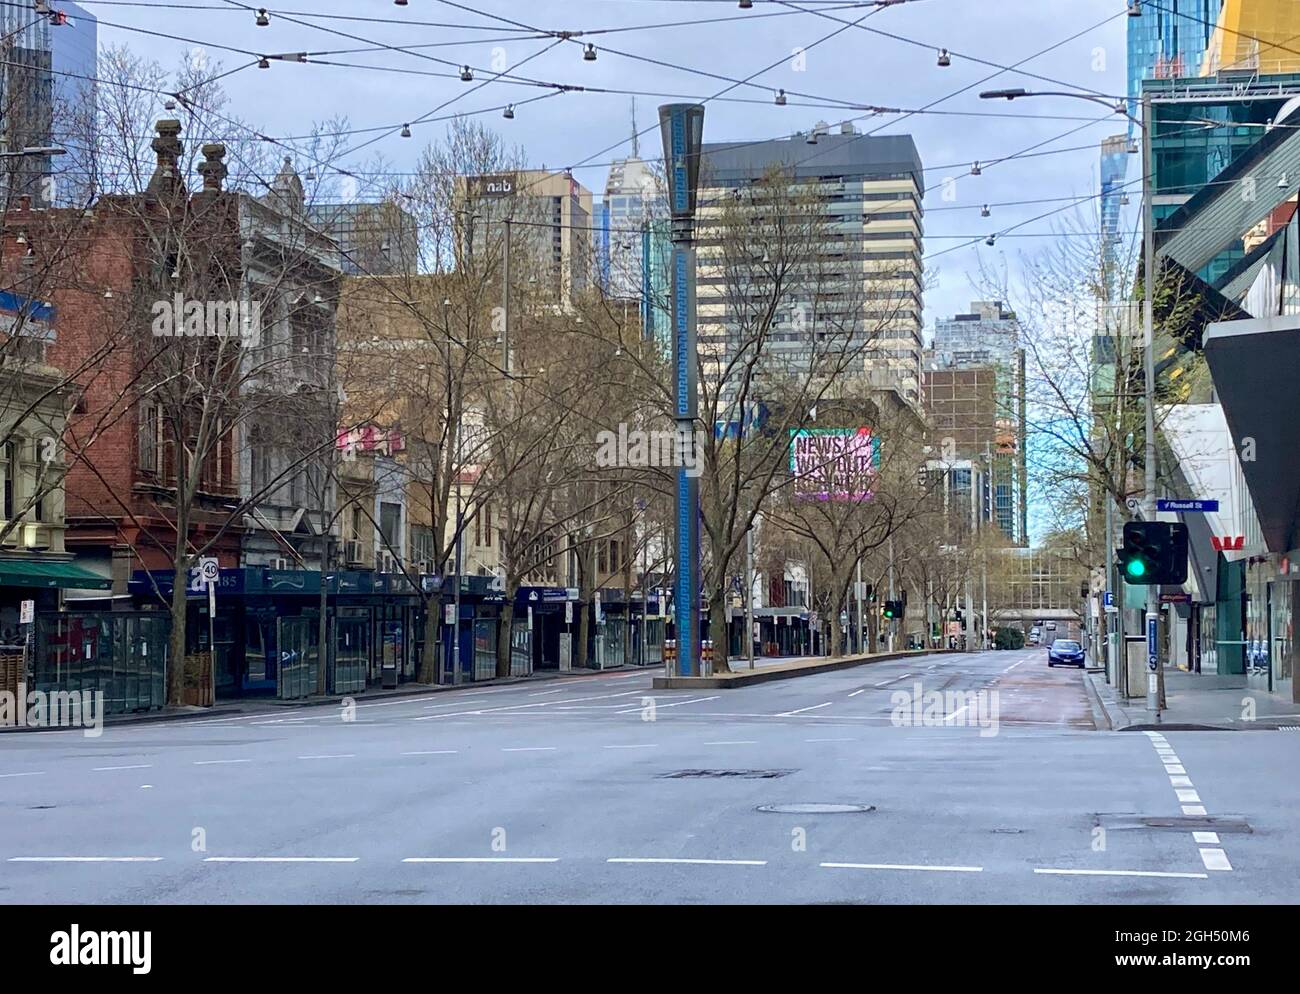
<point x="38" y="573"/>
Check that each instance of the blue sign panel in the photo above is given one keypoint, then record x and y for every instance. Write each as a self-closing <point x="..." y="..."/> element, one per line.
<point x="1163" y="504"/>
<point x="680" y="179"/>
<point x="1108" y="598"/>
<point x="1151" y="643"/>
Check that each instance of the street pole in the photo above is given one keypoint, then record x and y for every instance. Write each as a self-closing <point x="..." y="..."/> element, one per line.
<point x="1154" y="676"/>
<point x="749" y="595"/>
<point x="682" y="131"/>
<point x="857" y="589"/>
<point x="891" y="590"/>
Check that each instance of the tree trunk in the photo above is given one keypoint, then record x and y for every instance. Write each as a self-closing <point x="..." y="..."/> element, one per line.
<point x="718" y="630"/>
<point x="505" y="631"/>
<point x="429" y="657"/>
<point x="176" y="664"/>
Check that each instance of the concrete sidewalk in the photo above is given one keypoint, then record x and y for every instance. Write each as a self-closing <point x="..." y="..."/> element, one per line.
<point x="269" y="705"/>
<point x="1197" y="701"/>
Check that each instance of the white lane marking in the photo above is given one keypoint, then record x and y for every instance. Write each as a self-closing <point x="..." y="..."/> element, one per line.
<point x="1188" y="796"/>
<point x="957" y="712"/>
<point x="831" y="740"/>
<point x="677" y="704"/>
<point x="343" y="755"/>
<point x="431" y="752"/>
<point x="1180" y="782"/>
<point x="641" y="745"/>
<point x="34" y="773"/>
<point x="1206" y="838"/>
<point x="543" y="693"/>
<point x="905" y="866"/>
<point x="85" y="859"/>
<point x="281" y="859"/>
<point x="219" y="762"/>
<point x="529" y="749"/>
<point x="736" y="742"/>
<point x="1215" y="859"/>
<point x="1174" y="768"/>
<point x="454" y="704"/>
<point x="1120" y="873"/>
<point x="140" y="766"/>
<point x="699" y="862"/>
<point x="1194" y="809"/>
<point x="517" y="707"/>
<point x="815" y="707"/>
<point x="481" y="859"/>
<point x="857" y="692"/>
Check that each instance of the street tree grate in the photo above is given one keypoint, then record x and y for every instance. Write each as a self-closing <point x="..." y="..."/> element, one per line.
<point x="724" y="774"/>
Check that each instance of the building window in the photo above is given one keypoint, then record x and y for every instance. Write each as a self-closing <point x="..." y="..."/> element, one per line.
<point x="390" y="525"/>
<point x="10" y="469"/>
<point x="150" y="438"/>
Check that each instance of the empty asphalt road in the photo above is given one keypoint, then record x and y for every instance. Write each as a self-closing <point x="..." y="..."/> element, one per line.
<point x="599" y="789"/>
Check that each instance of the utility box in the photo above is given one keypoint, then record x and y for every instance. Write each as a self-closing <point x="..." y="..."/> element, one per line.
<point x="1135" y="656"/>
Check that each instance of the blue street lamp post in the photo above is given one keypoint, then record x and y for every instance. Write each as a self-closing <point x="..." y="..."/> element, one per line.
<point x="682" y="128"/>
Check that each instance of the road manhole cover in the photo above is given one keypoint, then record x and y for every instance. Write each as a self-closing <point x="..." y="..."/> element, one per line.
<point x="722" y="774"/>
<point x="816" y="808"/>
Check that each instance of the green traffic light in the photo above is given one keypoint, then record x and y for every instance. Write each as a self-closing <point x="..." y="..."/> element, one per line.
<point x="1136" y="567"/>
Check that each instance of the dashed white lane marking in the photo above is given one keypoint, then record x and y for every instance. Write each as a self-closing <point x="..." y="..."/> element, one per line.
<point x="1180" y="781"/>
<point x="520" y="707"/>
<point x="481" y="859"/>
<point x="675" y="704"/>
<point x="1215" y="859"/>
<point x="219" y="762"/>
<point x="904" y="866"/>
<point x="1188" y="796"/>
<point x="857" y="692"/>
<point x="735" y="742"/>
<point x="693" y="862"/>
<point x="815" y="707"/>
<point x="281" y="859"/>
<point x="138" y="766"/>
<point x="529" y="749"/>
<point x="1194" y="809"/>
<point x="463" y="700"/>
<point x="85" y="859"/>
<point x="830" y="740"/>
<point x="1121" y="873"/>
<point x="957" y="712"/>
<point x="431" y="752"/>
<point x="1206" y="838"/>
<point x="639" y="745"/>
<point x="33" y="773"/>
<point x="341" y="755"/>
<point x="543" y="693"/>
<point x="1174" y="768"/>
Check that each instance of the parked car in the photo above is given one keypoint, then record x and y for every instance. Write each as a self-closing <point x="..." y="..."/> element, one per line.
<point x="1068" y="652"/>
<point x="1035" y="635"/>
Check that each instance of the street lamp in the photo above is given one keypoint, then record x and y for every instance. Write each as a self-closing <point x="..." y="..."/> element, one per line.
<point x="1148" y="362"/>
<point x="682" y="130"/>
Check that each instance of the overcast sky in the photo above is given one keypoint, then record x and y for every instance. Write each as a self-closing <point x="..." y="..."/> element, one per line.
<point x="855" y="66"/>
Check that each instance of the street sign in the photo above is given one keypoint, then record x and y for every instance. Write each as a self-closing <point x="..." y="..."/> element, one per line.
<point x="209" y="569"/>
<point x="27" y="612"/>
<point x="1108" y="598"/>
<point x="1152" y="650"/>
<point x="568" y="612"/>
<point x="450" y="614"/>
<point x="1179" y="598"/>
<point x="1190" y="505"/>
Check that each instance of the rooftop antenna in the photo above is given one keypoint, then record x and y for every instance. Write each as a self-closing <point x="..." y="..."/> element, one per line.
<point x="636" y="139"/>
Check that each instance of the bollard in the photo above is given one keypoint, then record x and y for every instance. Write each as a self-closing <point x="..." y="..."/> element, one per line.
<point x="670" y="657"/>
<point x="706" y="657"/>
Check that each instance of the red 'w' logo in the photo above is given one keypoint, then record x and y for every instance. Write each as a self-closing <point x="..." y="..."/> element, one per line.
<point x="1225" y="543"/>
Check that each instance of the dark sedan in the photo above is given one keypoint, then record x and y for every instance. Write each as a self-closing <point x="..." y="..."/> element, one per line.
<point x="1065" y="651"/>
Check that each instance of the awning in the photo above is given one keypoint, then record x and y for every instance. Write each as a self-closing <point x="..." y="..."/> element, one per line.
<point x="1256" y="368"/>
<point x="44" y="573"/>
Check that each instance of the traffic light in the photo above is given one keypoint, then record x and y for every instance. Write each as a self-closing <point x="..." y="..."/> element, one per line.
<point x="1154" y="552"/>
<point x="892" y="611"/>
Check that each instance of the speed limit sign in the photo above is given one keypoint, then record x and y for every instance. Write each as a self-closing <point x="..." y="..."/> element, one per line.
<point x="209" y="569"/>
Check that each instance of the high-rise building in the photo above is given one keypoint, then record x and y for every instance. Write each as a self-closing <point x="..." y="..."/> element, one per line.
<point x="550" y="215"/>
<point x="869" y="190"/>
<point x="1114" y="165"/>
<point x="1256" y="35"/>
<point x="1168" y="40"/>
<point x="74" y="63"/>
<point x="975" y="393"/>
<point x="26" y="101"/>
<point x="629" y="206"/>
<point x="374" y="239"/>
